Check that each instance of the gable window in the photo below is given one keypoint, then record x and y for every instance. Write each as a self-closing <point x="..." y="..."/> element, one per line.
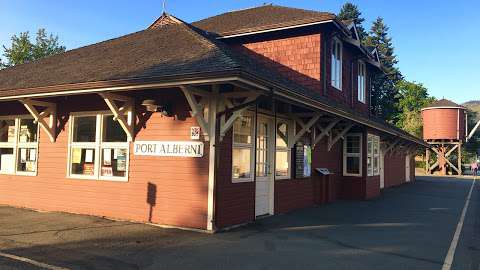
<point x="373" y="155"/>
<point x="352" y="155"/>
<point x="242" y="149"/>
<point x="18" y="146"/>
<point x="361" y="82"/>
<point x="283" y="152"/>
<point x="98" y="147"/>
<point x="336" y="65"/>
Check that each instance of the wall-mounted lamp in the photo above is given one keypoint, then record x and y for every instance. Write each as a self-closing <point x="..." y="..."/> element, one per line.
<point x="151" y="106"/>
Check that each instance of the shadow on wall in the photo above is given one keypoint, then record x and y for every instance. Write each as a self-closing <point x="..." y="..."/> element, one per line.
<point x="151" y="198"/>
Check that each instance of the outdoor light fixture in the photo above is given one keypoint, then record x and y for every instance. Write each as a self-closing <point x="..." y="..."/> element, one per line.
<point x="151" y="106"/>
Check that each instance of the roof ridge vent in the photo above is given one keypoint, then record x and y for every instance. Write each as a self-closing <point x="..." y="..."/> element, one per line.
<point x="259" y="6"/>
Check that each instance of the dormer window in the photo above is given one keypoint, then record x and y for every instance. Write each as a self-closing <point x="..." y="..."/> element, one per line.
<point x="336" y="73"/>
<point x="361" y="79"/>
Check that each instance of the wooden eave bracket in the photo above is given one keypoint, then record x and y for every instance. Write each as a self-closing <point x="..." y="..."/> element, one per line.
<point x="46" y="118"/>
<point x="305" y="127"/>
<point x="125" y="114"/>
<point x="391" y="146"/>
<point x="198" y="106"/>
<point x="228" y="123"/>
<point x="340" y="135"/>
<point x="324" y="131"/>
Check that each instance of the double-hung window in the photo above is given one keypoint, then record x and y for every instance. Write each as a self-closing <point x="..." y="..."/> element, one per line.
<point x="361" y="85"/>
<point x="283" y="152"/>
<point x="352" y="155"/>
<point x="18" y="146"/>
<point x="98" y="147"/>
<point x="336" y="65"/>
<point x="242" y="150"/>
<point x="373" y="158"/>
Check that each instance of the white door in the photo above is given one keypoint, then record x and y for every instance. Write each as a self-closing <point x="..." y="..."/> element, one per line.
<point x="263" y="185"/>
<point x="407" y="168"/>
<point x="382" y="168"/>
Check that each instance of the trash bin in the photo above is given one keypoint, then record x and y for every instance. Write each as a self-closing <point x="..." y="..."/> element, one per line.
<point x="323" y="186"/>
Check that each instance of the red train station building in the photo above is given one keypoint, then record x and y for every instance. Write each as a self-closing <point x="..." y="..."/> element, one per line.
<point x="205" y="125"/>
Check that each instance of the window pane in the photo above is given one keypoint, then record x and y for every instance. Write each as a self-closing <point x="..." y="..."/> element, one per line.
<point x="7" y="160"/>
<point x="7" y="130"/>
<point x="113" y="132"/>
<point x="369" y="146"/>
<point x="282" y="135"/>
<point x="27" y="160"/>
<point x="83" y="161"/>
<point x="353" y="165"/>
<point x="281" y="163"/>
<point x="242" y="130"/>
<point x="353" y="144"/>
<point x="28" y="131"/>
<point x="369" y="166"/>
<point x="376" y="165"/>
<point x="241" y="163"/>
<point x="84" y="128"/>
<point x="114" y="162"/>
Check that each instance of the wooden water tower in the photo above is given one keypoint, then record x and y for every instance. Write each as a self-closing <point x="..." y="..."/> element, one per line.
<point x="444" y="128"/>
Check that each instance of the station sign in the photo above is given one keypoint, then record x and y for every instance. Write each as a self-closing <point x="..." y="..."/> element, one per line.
<point x="169" y="148"/>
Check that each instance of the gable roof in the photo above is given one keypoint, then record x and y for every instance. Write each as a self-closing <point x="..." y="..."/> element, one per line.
<point x="259" y="19"/>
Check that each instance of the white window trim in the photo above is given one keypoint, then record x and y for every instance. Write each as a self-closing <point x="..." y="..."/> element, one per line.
<point x="290" y="135"/>
<point x="250" y="146"/>
<point x="333" y="69"/>
<point x="361" y="81"/>
<point x="374" y="171"/>
<point x="97" y="145"/>
<point x="16" y="145"/>
<point x="359" y="155"/>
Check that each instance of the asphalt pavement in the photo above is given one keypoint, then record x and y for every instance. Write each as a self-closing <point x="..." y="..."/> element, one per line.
<point x="407" y="227"/>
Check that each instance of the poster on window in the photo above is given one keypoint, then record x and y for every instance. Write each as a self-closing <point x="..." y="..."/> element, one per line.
<point x="107" y="157"/>
<point x="23" y="155"/>
<point x="121" y="160"/>
<point x="76" y="155"/>
<point x="107" y="171"/>
<point x="89" y="155"/>
<point x="303" y="160"/>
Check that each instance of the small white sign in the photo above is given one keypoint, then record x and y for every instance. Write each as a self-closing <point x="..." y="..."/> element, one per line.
<point x="168" y="148"/>
<point x="195" y="133"/>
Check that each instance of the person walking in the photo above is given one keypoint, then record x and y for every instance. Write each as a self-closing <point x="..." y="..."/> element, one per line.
<point x="474" y="167"/>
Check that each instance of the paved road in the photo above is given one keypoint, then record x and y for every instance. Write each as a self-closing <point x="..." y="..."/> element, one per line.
<point x="408" y="227"/>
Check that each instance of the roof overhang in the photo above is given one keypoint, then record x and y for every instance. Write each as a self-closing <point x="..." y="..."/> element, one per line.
<point x="234" y="76"/>
<point x="444" y="107"/>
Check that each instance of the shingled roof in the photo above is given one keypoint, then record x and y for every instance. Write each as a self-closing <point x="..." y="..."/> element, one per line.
<point x="260" y="18"/>
<point x="173" y="49"/>
<point x="144" y="54"/>
<point x="443" y="103"/>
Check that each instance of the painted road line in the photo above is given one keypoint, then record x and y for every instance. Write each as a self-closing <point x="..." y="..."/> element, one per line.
<point x="447" y="263"/>
<point x="32" y="262"/>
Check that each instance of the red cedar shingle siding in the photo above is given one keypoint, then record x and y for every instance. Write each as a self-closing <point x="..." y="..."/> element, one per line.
<point x="296" y="58"/>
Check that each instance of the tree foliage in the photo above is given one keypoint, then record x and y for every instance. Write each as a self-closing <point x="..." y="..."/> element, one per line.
<point x="23" y="50"/>
<point x="384" y="92"/>
<point x="412" y="97"/>
<point x="350" y="11"/>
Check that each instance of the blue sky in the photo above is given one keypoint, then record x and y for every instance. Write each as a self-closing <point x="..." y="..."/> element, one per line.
<point x="436" y="41"/>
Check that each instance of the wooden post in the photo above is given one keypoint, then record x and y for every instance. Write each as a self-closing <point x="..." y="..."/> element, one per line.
<point x="427" y="161"/>
<point x="460" y="172"/>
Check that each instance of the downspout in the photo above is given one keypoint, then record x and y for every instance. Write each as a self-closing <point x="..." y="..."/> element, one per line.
<point x="351" y="84"/>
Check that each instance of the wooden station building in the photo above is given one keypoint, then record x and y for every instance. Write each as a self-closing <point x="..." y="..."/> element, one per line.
<point x="204" y="125"/>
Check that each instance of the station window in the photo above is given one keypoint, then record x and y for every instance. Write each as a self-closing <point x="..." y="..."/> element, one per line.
<point x="336" y="64"/>
<point x="98" y="148"/>
<point x="18" y="146"/>
<point x="352" y="155"/>
<point x="361" y="84"/>
<point x="283" y="152"/>
<point x="373" y="157"/>
<point x="242" y="150"/>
